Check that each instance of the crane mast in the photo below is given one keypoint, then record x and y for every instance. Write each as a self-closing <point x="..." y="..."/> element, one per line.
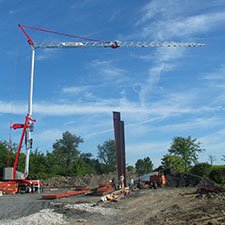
<point x="88" y="43"/>
<point x="29" y="139"/>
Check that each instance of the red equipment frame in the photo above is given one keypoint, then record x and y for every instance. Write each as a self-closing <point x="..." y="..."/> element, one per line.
<point x="24" y="126"/>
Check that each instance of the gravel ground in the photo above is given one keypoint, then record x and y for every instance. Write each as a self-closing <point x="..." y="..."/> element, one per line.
<point x="44" y="216"/>
<point x="16" y="206"/>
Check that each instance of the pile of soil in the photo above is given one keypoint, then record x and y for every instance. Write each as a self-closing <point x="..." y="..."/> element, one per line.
<point x="89" y="180"/>
<point x="175" y="179"/>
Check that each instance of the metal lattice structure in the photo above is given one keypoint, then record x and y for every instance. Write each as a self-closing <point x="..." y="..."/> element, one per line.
<point x="117" y="44"/>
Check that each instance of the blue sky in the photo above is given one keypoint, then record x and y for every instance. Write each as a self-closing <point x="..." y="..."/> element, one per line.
<point x="160" y="92"/>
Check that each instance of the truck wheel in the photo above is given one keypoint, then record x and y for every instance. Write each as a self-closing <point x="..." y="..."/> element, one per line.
<point x="155" y="185"/>
<point x="28" y="189"/>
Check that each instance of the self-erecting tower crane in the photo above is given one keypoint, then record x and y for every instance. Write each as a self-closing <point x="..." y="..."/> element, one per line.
<point x="84" y="43"/>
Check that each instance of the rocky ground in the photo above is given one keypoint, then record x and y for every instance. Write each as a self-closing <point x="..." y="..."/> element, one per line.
<point x="172" y="206"/>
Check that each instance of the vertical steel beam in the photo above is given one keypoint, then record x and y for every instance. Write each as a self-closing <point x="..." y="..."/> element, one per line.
<point x="120" y="146"/>
<point x="123" y="154"/>
<point x="116" y="121"/>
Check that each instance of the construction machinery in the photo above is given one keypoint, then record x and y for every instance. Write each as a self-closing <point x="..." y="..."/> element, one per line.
<point x="13" y="180"/>
<point x="154" y="179"/>
<point x="17" y="179"/>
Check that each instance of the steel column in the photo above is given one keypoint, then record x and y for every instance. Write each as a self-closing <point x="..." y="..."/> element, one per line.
<point x="123" y="153"/>
<point x="120" y="146"/>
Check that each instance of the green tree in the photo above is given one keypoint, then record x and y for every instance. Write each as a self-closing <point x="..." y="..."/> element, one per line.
<point x="107" y="155"/>
<point x="217" y="174"/>
<point x="21" y="163"/>
<point x="66" y="151"/>
<point x="3" y="156"/>
<point x="201" y="169"/>
<point x="173" y="162"/>
<point x="38" y="165"/>
<point x="143" y="166"/>
<point x="130" y="169"/>
<point x="81" y="168"/>
<point x="187" y="149"/>
<point x="92" y="165"/>
<point x="4" y="148"/>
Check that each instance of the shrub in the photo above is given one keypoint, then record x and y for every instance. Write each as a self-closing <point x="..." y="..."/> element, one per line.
<point x="201" y="169"/>
<point x="218" y="174"/>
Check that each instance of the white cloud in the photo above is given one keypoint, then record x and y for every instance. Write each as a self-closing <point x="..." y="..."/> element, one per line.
<point x="188" y="125"/>
<point x="45" y="54"/>
<point x="196" y="24"/>
<point x="75" y="89"/>
<point x="98" y="132"/>
<point x="109" y="71"/>
<point x="80" y="4"/>
<point x="183" y="27"/>
<point x="169" y="105"/>
<point x="215" y="82"/>
<point x="218" y="75"/>
<point x="49" y="135"/>
<point x="169" y="54"/>
<point x="153" y="147"/>
<point x="72" y="109"/>
<point x="153" y="78"/>
<point x="154" y="8"/>
<point x="9" y="107"/>
<point x="168" y="19"/>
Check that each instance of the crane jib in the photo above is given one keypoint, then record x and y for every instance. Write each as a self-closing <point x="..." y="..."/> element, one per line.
<point x="117" y="44"/>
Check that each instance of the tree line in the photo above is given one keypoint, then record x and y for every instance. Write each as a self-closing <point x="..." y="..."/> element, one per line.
<point x="66" y="159"/>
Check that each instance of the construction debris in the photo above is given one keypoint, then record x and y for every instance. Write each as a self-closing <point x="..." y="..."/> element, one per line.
<point x="115" y="197"/>
<point x="104" y="188"/>
<point x="65" y="194"/>
<point x="206" y="189"/>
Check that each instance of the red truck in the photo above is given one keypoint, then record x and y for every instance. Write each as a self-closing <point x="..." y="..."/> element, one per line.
<point x="154" y="179"/>
<point x="20" y="186"/>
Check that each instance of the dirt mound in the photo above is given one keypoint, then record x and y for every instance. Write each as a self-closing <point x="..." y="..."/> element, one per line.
<point x="175" y="179"/>
<point x="87" y="180"/>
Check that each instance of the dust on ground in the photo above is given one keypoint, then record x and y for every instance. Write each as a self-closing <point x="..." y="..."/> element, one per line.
<point x="150" y="207"/>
